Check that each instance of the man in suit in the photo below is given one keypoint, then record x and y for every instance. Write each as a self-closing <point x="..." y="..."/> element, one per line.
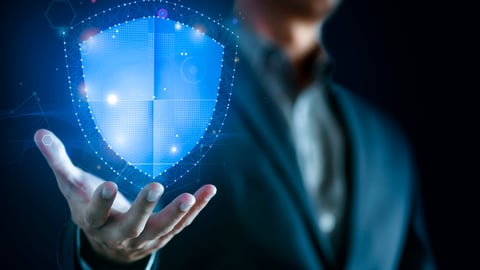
<point x="309" y="175"/>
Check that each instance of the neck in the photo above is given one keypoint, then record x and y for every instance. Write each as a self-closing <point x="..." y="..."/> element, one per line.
<point x="297" y="38"/>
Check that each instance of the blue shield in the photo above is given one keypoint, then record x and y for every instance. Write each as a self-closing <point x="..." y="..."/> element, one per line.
<point x="150" y="93"/>
<point x="152" y="87"/>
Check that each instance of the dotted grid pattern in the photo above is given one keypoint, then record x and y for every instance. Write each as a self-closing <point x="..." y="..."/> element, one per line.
<point x="127" y="127"/>
<point x="177" y="122"/>
<point x="167" y="42"/>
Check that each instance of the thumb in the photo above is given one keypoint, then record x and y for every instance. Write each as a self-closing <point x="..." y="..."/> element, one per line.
<point x="54" y="152"/>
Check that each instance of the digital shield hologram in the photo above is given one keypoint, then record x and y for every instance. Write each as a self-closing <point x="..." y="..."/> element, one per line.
<point x="151" y="84"/>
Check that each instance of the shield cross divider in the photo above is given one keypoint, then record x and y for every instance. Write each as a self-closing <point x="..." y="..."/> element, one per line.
<point x="149" y="91"/>
<point x="152" y="86"/>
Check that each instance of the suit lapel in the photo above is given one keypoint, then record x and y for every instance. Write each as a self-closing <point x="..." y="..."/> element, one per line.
<point x="257" y="109"/>
<point x="380" y="191"/>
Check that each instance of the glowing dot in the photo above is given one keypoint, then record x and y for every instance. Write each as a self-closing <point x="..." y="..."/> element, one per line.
<point x="162" y="13"/>
<point x="178" y="26"/>
<point x="113" y="36"/>
<point x="176" y="135"/>
<point x="112" y="99"/>
<point x="173" y="149"/>
<point x="198" y="33"/>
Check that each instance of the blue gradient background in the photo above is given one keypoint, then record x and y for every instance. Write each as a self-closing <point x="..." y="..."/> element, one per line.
<point x="388" y="51"/>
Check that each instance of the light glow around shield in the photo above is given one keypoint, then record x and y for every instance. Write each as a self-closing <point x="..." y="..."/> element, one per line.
<point x="151" y="86"/>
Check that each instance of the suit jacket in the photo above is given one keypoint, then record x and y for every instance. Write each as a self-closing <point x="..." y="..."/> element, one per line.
<point x="261" y="217"/>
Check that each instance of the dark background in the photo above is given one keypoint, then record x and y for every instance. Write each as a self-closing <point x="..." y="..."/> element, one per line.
<point x="407" y="58"/>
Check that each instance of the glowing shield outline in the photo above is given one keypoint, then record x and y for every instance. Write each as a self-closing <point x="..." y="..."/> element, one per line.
<point x="130" y="178"/>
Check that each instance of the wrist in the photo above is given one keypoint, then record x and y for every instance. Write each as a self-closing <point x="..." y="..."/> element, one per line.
<point x="98" y="256"/>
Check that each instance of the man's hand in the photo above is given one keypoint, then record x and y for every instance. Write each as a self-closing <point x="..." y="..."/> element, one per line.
<point x="117" y="230"/>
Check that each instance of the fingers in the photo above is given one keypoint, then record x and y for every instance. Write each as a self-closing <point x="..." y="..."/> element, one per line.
<point x="177" y="215"/>
<point x="164" y="221"/>
<point x="138" y="215"/>
<point x="98" y="209"/>
<point x="203" y="196"/>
